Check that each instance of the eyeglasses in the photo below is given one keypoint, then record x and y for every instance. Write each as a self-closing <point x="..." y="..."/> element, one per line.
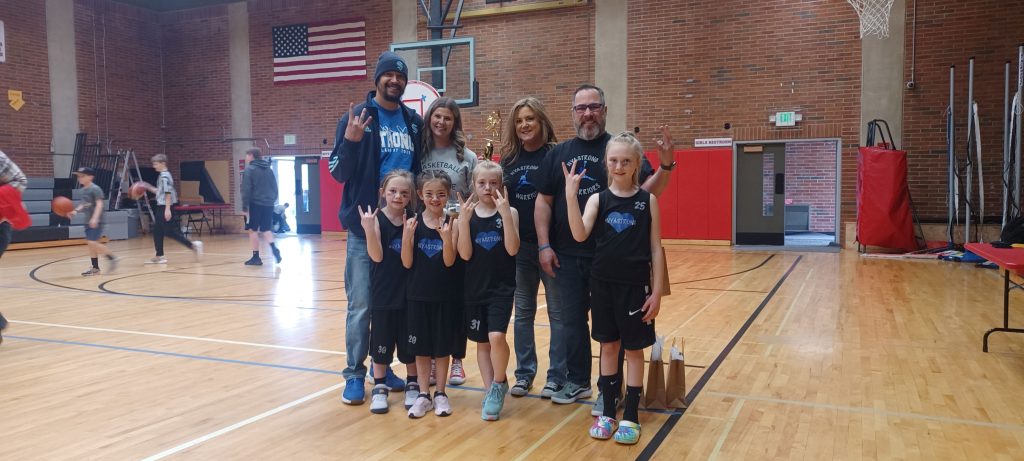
<point x="582" y="108"/>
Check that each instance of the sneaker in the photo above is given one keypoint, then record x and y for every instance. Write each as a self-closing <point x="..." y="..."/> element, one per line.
<point x="421" y="407"/>
<point x="602" y="428"/>
<point x="277" y="254"/>
<point x="550" y="388"/>
<point x="354" y="393"/>
<point x="157" y="260"/>
<point x="628" y="433"/>
<point x="458" y="376"/>
<point x="571" y="393"/>
<point x="379" y="399"/>
<point x="521" y="387"/>
<point x="433" y="372"/>
<point x="92" y="271"/>
<point x="112" y="263"/>
<point x="394" y="382"/>
<point x="197" y="249"/>
<point x="598" y="409"/>
<point x="494" y="402"/>
<point x="254" y="261"/>
<point x="3" y="326"/>
<point x="442" y="407"/>
<point x="412" y="390"/>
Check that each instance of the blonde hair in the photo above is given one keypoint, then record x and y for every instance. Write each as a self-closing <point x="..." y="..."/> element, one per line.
<point x="398" y="174"/>
<point x="511" y="147"/>
<point x="486" y="166"/>
<point x="633" y="146"/>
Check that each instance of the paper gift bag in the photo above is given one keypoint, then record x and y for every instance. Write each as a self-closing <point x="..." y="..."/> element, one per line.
<point x="654" y="392"/>
<point x="667" y="288"/>
<point x="675" y="389"/>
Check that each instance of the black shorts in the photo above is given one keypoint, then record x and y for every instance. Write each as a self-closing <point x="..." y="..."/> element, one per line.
<point x="388" y="332"/>
<point x="485" y="318"/>
<point x="261" y="218"/>
<point x="615" y="310"/>
<point x="433" y="328"/>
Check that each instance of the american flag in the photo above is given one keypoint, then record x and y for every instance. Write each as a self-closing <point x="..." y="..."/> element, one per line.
<point x="320" y="52"/>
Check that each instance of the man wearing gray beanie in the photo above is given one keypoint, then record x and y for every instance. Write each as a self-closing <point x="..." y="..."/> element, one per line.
<point x="374" y="138"/>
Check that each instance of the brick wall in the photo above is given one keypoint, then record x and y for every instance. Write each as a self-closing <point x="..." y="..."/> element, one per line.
<point x="811" y="180"/>
<point x="698" y="65"/>
<point x="120" y="98"/>
<point x="25" y="134"/>
<point x="948" y="33"/>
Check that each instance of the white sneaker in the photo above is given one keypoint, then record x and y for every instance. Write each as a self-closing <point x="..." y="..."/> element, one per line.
<point x="458" y="375"/>
<point x="412" y="390"/>
<point x="441" y="405"/>
<point x="157" y="260"/>
<point x="421" y="407"/>
<point x="197" y="247"/>
<point x="379" y="399"/>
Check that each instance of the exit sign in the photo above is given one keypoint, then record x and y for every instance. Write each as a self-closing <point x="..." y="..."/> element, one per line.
<point x="785" y="119"/>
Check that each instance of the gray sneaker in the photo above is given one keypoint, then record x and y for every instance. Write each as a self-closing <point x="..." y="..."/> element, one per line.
<point x="571" y="393"/>
<point x="494" y="402"/>
<point x="598" y="409"/>
<point x="421" y="407"/>
<point x="521" y="387"/>
<point x="379" y="399"/>
<point x="550" y="388"/>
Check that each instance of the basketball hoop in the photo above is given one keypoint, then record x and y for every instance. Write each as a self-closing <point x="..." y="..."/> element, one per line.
<point x="874" y="16"/>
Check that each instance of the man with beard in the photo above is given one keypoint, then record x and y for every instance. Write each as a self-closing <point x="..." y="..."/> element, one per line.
<point x="372" y="139"/>
<point x="561" y="256"/>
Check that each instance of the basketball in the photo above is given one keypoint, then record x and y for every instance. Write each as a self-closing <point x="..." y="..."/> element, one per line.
<point x="137" y="190"/>
<point x="62" y="206"/>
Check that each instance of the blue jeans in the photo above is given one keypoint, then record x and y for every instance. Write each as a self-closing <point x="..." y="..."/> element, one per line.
<point x="357" y="321"/>
<point x="528" y="278"/>
<point x="573" y="282"/>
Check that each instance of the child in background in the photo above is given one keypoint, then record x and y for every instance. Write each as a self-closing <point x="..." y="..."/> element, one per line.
<point x="92" y="207"/>
<point x="166" y="197"/>
<point x="489" y="241"/>
<point x="624" y="302"/>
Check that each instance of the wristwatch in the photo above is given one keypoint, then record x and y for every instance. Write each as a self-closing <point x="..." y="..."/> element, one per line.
<point x="669" y="167"/>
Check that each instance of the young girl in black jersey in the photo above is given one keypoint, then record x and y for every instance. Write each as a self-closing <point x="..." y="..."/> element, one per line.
<point x="428" y="248"/>
<point x="488" y="241"/>
<point x="384" y="227"/>
<point x="625" y="224"/>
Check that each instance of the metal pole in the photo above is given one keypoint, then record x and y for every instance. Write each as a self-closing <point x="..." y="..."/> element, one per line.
<point x="1006" y="145"/>
<point x="952" y="197"/>
<point x="1017" y="110"/>
<point x="970" y="164"/>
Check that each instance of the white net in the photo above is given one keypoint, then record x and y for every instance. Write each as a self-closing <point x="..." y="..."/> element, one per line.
<point x="874" y="16"/>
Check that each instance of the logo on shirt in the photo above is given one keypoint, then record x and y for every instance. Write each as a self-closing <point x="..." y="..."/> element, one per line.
<point x="488" y="239"/>
<point x="430" y="247"/>
<point x="396" y="245"/>
<point x="395" y="140"/>
<point x="589" y="184"/>
<point x="523" y="189"/>
<point x="620" y="221"/>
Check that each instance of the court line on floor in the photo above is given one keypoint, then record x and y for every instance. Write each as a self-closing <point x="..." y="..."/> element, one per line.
<point x="165" y="335"/>
<point x="789" y="310"/>
<point x="666" y="428"/>
<point x="526" y="454"/>
<point x="241" y="424"/>
<point x="262" y="364"/>
<point x="729" y="422"/>
<point x="871" y="411"/>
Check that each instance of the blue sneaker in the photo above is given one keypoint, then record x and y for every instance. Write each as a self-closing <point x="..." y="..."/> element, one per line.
<point x="354" y="393"/>
<point x="394" y="383"/>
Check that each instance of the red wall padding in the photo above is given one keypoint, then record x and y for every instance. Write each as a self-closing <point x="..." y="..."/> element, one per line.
<point x="330" y="199"/>
<point x="697" y="205"/>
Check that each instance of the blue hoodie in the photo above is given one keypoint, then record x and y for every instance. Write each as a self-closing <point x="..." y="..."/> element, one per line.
<point x="357" y="164"/>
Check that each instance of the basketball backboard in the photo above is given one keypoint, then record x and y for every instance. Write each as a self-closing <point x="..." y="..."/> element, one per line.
<point x="448" y="65"/>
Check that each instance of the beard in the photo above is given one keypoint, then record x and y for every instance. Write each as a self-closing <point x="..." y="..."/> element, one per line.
<point x="590" y="132"/>
<point x="383" y="90"/>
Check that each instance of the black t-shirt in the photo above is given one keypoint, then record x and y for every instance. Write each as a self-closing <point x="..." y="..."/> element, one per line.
<point x="491" y="272"/>
<point x="551" y="181"/>
<point x="429" y="280"/>
<point x="388" y="277"/>
<point x="521" y="180"/>
<point x="622" y="236"/>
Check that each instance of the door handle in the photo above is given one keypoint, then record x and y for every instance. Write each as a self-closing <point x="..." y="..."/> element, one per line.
<point x="780" y="183"/>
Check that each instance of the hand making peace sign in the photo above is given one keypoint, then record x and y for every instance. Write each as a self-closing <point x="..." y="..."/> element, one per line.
<point x="356" y="125"/>
<point x="501" y="201"/>
<point x="666" y="148"/>
<point x="466" y="207"/>
<point x="572" y="179"/>
<point x="368" y="218"/>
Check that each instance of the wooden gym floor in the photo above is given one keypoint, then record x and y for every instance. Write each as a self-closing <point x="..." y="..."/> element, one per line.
<point x="790" y="356"/>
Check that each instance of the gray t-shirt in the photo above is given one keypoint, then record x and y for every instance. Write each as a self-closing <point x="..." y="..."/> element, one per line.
<point x="165" y="185"/>
<point x="90" y="195"/>
<point x="445" y="159"/>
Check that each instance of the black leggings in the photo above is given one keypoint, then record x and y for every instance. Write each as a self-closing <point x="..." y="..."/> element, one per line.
<point x="170" y="228"/>
<point x="5" y="236"/>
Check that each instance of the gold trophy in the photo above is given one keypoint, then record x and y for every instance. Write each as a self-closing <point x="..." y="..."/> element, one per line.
<point x="494" y="126"/>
